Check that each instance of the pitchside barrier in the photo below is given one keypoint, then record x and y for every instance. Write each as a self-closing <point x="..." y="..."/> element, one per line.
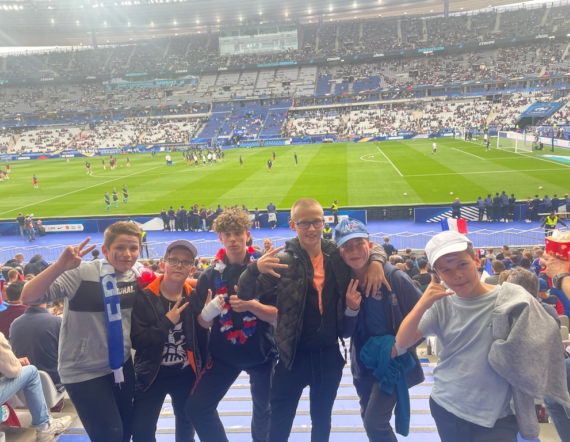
<point x="416" y="241"/>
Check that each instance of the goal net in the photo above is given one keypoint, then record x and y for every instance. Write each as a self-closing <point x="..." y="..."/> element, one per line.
<point x="515" y="142"/>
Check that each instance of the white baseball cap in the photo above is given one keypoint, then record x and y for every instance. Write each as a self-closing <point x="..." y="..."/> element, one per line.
<point x="185" y="244"/>
<point x="444" y="243"/>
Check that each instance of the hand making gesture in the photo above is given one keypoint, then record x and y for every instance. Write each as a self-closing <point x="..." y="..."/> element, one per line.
<point x="353" y="296"/>
<point x="268" y="263"/>
<point x="176" y="311"/>
<point x="72" y="255"/>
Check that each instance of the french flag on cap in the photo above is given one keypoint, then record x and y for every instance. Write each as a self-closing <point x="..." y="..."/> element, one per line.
<point x="455" y="225"/>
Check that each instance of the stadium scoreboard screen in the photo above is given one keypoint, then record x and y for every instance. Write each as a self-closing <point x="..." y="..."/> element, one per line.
<point x="258" y="39"/>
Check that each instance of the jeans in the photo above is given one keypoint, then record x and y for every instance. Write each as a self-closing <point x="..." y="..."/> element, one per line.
<point x="31" y="233"/>
<point x="204" y="226"/>
<point x="172" y="223"/>
<point x="28" y="381"/>
<point x="202" y="405"/>
<point x="481" y="213"/>
<point x="453" y="429"/>
<point x="105" y="407"/>
<point x="376" y="408"/>
<point x="22" y="228"/>
<point x="321" y="370"/>
<point x="557" y="413"/>
<point x="148" y="404"/>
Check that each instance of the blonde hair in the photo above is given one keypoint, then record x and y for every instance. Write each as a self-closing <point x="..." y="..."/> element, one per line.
<point x="232" y="219"/>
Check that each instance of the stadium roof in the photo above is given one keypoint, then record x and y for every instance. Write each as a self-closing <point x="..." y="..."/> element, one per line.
<point x="74" y="22"/>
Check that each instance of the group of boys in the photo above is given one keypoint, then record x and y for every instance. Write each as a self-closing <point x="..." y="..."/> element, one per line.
<point x="279" y="318"/>
<point x="115" y="196"/>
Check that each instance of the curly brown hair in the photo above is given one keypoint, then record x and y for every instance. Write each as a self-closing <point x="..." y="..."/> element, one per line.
<point x="231" y="220"/>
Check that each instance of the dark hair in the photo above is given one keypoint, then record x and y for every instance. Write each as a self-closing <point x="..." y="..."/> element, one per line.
<point x="422" y="264"/>
<point x="14" y="291"/>
<point x="95" y="253"/>
<point x="409" y="264"/>
<point x="525" y="263"/>
<point x="498" y="266"/>
<point x="196" y="274"/>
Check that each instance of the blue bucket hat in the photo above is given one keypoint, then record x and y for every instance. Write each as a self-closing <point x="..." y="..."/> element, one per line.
<point x="348" y="229"/>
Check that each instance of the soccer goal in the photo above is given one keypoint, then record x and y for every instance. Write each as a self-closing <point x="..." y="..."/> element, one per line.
<point x="515" y="142"/>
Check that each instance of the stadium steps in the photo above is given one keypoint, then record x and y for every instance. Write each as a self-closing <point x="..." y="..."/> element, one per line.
<point x="400" y="30"/>
<point x="498" y="22"/>
<point x="545" y="18"/>
<point x="565" y="53"/>
<point x="131" y="55"/>
<point x="493" y="113"/>
<point x="424" y="31"/>
<point x="235" y="412"/>
<point x="106" y="64"/>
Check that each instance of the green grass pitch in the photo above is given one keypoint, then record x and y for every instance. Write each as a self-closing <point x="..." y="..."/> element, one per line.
<point x="356" y="174"/>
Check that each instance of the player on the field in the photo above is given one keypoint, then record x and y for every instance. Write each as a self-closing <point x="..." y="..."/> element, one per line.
<point x="7" y="168"/>
<point x="115" y="198"/>
<point x="434" y="151"/>
<point x="103" y="162"/>
<point x="125" y="194"/>
<point x="203" y="160"/>
<point x="128" y="162"/>
<point x="269" y="164"/>
<point x="35" y="180"/>
<point x="107" y="200"/>
<point x="488" y="143"/>
<point x="88" y="167"/>
<point x="240" y="161"/>
<point x="195" y="160"/>
<point x="295" y="158"/>
<point x="5" y="175"/>
<point x="273" y="156"/>
<point x="1" y="175"/>
<point x="67" y="159"/>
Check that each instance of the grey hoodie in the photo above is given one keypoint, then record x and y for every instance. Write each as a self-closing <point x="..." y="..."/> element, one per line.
<point x="528" y="354"/>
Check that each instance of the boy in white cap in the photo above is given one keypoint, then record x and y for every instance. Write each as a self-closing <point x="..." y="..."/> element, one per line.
<point x="487" y="334"/>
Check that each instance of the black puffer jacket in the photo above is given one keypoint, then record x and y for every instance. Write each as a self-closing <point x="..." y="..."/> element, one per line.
<point x="149" y="333"/>
<point x="292" y="291"/>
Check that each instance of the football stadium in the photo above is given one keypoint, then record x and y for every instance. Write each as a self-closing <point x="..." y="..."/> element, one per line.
<point x="284" y="221"/>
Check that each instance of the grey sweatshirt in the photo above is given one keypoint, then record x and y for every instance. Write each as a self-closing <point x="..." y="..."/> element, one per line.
<point x="528" y="353"/>
<point x="83" y="349"/>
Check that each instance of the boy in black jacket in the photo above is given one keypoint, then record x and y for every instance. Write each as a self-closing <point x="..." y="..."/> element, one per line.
<point x="311" y="305"/>
<point x="378" y="314"/>
<point x="169" y="345"/>
<point x="241" y="334"/>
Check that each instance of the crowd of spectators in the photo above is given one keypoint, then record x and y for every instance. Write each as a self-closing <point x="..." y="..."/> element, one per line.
<point x="330" y="39"/>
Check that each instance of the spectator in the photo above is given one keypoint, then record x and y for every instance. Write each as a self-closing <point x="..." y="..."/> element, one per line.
<point x="19" y="375"/>
<point x="96" y="366"/>
<point x="14" y="263"/>
<point x="20" y="219"/>
<point x="170" y="351"/>
<point x="424" y="277"/>
<point x="411" y="269"/>
<point x="498" y="267"/>
<point x="460" y="319"/>
<point x="529" y="281"/>
<point x="95" y="254"/>
<point x="35" y="335"/>
<point x="15" y="307"/>
<point x="36" y="265"/>
<point x="559" y="271"/>
<point x="389" y="248"/>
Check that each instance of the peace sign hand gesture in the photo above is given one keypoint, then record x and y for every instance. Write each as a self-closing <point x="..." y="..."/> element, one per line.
<point x="353" y="296"/>
<point x="72" y="255"/>
<point x="268" y="262"/>
<point x="176" y="311"/>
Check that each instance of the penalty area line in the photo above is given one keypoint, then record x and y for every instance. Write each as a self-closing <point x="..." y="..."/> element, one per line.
<point x="78" y="190"/>
<point x="467" y="153"/>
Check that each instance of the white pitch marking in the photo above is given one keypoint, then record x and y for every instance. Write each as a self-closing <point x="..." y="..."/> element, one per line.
<point x="467" y="153"/>
<point x="399" y="173"/>
<point x="477" y="173"/>
<point x="79" y="190"/>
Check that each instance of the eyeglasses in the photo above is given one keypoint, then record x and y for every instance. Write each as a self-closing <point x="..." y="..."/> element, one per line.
<point x="317" y="224"/>
<point x="184" y="263"/>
